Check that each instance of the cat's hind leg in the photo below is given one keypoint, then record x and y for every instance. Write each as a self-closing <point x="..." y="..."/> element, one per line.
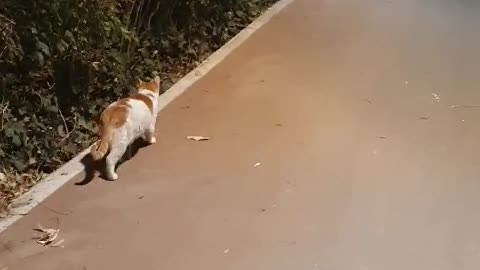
<point x="116" y="153"/>
<point x="150" y="134"/>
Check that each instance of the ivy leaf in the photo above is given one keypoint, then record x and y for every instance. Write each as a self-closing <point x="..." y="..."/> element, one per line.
<point x="16" y="140"/>
<point x="70" y="148"/>
<point x="44" y="48"/>
<point x="19" y="165"/>
<point x="38" y="56"/>
<point x="149" y="62"/>
<point x="61" y="131"/>
<point x="22" y="110"/>
<point x="69" y="36"/>
<point x="9" y="132"/>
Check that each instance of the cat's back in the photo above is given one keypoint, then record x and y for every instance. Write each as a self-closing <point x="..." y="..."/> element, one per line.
<point x="139" y="110"/>
<point x="133" y="111"/>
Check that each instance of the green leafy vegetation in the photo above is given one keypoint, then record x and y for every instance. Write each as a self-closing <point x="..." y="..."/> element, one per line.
<point x="63" y="61"/>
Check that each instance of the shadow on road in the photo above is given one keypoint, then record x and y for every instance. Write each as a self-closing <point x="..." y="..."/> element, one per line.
<point x="96" y="167"/>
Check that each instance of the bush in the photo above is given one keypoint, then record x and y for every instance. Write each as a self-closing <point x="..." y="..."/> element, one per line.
<point x="62" y="61"/>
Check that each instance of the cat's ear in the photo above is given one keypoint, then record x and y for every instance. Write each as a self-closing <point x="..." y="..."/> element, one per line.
<point x="139" y="83"/>
<point x="157" y="80"/>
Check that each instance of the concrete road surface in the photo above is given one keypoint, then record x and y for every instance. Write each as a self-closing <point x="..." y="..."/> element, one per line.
<point x="362" y="163"/>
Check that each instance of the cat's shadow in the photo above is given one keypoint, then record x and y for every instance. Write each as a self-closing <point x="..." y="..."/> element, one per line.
<point x="94" y="167"/>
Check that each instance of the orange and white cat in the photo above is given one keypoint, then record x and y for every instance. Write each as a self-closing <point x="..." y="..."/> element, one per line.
<point x="126" y="120"/>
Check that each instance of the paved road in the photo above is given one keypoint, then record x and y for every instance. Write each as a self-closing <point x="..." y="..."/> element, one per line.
<point x="361" y="165"/>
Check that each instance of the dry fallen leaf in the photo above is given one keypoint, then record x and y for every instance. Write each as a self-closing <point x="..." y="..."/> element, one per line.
<point x="46" y="236"/>
<point x="95" y="65"/>
<point x="58" y="244"/>
<point x="369" y="101"/>
<point x="198" y="138"/>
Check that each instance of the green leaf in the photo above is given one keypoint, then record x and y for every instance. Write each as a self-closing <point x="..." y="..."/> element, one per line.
<point x="70" y="148"/>
<point x="22" y="111"/>
<point x="38" y="56"/>
<point x="19" y="165"/>
<point x="43" y="47"/>
<point x="149" y="62"/>
<point x="120" y="58"/>
<point x="145" y="53"/>
<point x="60" y="47"/>
<point x="61" y="131"/>
<point x="16" y="140"/>
<point x="9" y="132"/>
<point x="69" y="36"/>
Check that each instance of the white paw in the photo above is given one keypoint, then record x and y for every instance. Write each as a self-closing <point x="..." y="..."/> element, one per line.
<point x="113" y="177"/>
<point x="153" y="140"/>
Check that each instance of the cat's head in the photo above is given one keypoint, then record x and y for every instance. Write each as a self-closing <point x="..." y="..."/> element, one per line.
<point x="152" y="85"/>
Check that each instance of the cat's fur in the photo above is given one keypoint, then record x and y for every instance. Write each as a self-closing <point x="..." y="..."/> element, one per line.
<point x="124" y="121"/>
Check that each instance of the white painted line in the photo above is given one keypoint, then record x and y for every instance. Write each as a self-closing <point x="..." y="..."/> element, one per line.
<point x="58" y="178"/>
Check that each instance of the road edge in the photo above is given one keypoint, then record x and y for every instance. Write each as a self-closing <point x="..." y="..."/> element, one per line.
<point x="41" y="191"/>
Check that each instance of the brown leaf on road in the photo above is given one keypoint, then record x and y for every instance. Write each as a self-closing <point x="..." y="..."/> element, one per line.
<point x="198" y="138"/>
<point x="58" y="244"/>
<point x="46" y="236"/>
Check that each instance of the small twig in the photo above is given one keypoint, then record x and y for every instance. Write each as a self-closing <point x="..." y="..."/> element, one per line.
<point x="71" y="131"/>
<point x="63" y="118"/>
<point x="134" y="64"/>
<point x="130" y="13"/>
<point x="152" y="13"/>
<point x="5" y="107"/>
<point x="1" y="53"/>
<point x="64" y="122"/>
<point x="50" y="87"/>
<point x="58" y="222"/>
<point x="136" y="23"/>
<point x="7" y="19"/>
<point x="143" y="15"/>
<point x="464" y="106"/>
<point x="52" y="210"/>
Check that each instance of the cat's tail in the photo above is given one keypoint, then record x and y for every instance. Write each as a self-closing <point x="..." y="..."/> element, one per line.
<point x="101" y="147"/>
